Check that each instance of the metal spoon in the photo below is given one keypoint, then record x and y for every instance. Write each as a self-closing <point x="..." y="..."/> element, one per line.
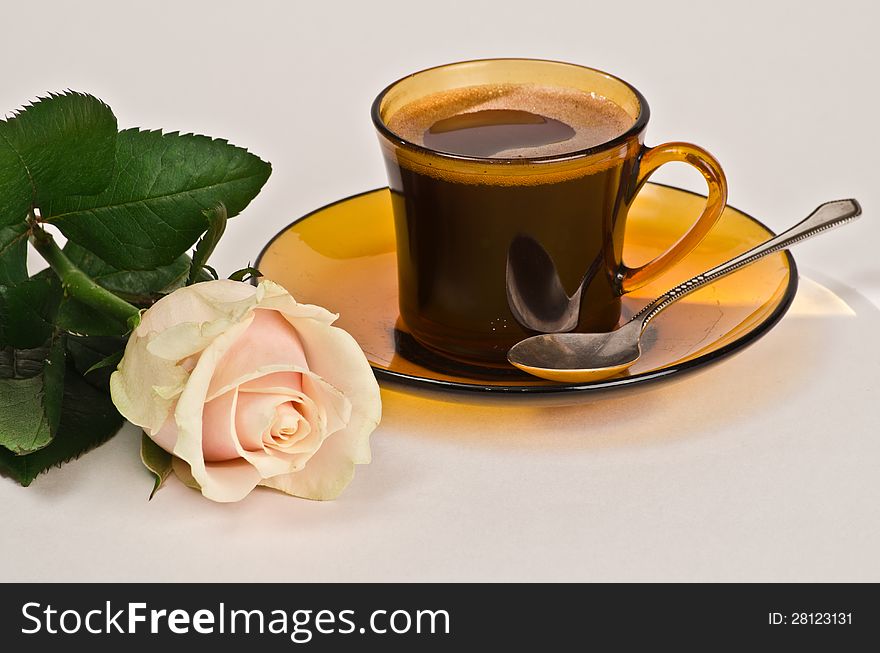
<point x="579" y="357"/>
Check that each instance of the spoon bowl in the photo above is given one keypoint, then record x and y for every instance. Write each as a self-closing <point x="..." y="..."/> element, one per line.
<point x="587" y="356"/>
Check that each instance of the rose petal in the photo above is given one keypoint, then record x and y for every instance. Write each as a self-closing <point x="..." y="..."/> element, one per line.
<point x="335" y="357"/>
<point x="335" y="408"/>
<point x="254" y="416"/>
<point x="331" y="468"/>
<point x="233" y="481"/>
<point x="275" y="297"/>
<point x="230" y="481"/>
<point x="145" y="387"/>
<point x="296" y="451"/>
<point x="269" y="340"/>
<point x="328" y="471"/>
<point x="223" y="441"/>
<point x="182" y="341"/>
<point x="273" y="382"/>
<point x="184" y="473"/>
<point x="218" y="429"/>
<point x="289" y="428"/>
<point x="166" y="437"/>
<point x="145" y="384"/>
<point x="201" y="302"/>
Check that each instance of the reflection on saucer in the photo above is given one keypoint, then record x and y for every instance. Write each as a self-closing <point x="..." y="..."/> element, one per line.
<point x="410" y="351"/>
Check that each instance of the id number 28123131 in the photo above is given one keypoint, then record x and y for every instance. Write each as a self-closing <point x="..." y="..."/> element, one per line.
<point x="810" y="618"/>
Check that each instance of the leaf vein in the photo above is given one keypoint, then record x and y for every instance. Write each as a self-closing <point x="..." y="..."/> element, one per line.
<point x="24" y="165"/>
<point x="146" y="200"/>
<point x="14" y="241"/>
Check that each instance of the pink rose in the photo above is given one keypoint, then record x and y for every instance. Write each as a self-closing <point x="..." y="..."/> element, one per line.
<point x="246" y="387"/>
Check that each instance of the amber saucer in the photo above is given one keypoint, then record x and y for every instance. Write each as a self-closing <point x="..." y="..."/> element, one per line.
<point x="342" y="257"/>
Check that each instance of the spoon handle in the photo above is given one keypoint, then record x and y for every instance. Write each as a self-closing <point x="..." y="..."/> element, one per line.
<point x="827" y="216"/>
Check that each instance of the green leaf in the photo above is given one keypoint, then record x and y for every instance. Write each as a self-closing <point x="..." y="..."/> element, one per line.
<point x="21" y="363"/>
<point x="30" y="396"/>
<point x="13" y="244"/>
<point x="246" y="274"/>
<point x="16" y="197"/>
<point x="152" y="212"/>
<point x="23" y="423"/>
<point x="66" y="143"/>
<point x="88" y="418"/>
<point x="111" y="361"/>
<point x="217" y="218"/>
<point x="58" y="146"/>
<point x="87" y="354"/>
<point x="66" y="313"/>
<point x="137" y="286"/>
<point x="27" y="311"/>
<point x="78" y="319"/>
<point x="155" y="459"/>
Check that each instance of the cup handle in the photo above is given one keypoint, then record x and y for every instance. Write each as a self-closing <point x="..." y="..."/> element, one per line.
<point x="651" y="159"/>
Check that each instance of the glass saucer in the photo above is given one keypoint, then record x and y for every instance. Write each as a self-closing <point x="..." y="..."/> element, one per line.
<point x="342" y="256"/>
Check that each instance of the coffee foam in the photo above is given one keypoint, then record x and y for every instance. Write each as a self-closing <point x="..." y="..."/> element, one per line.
<point x="594" y="118"/>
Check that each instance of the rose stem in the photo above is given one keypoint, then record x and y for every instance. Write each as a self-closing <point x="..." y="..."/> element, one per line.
<point x="78" y="284"/>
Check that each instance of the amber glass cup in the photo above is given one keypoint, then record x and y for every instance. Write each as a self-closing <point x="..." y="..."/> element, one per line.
<point x="482" y="242"/>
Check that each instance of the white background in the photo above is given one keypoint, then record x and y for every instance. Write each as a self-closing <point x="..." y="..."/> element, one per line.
<point x="764" y="467"/>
